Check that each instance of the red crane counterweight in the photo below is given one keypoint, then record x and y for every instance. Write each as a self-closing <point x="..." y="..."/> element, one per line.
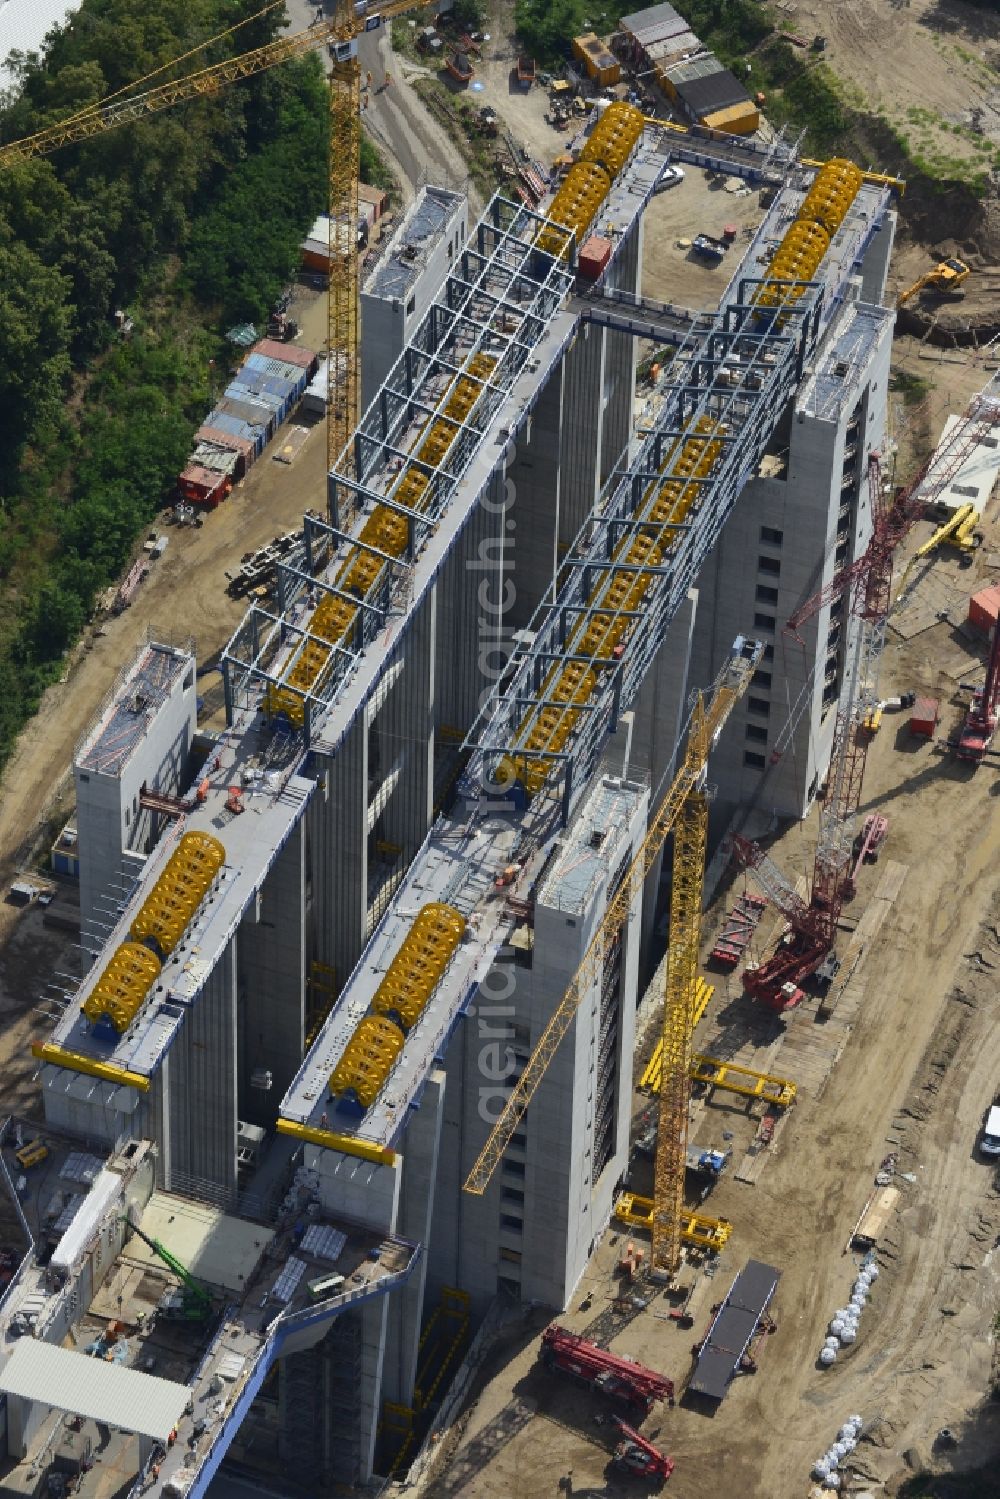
<point x="636" y="1454"/>
<point x="981" y="720"/>
<point x="607" y="1373"/>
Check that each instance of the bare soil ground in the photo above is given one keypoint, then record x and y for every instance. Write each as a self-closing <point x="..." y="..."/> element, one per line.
<point x="929" y="67"/>
<point x="671" y="271"/>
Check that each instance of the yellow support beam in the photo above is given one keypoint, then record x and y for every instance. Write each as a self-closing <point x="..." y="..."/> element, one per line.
<point x="695" y="1229"/>
<point x="713" y="1073"/>
<point x="75" y="1061"/>
<point x="653" y="1071"/>
<point x="329" y="1140"/>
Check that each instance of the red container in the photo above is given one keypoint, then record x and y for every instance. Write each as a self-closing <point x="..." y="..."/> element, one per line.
<point x="923" y="719"/>
<point x="984" y="607"/>
<point x="288" y="353"/>
<point x="594" y="256"/>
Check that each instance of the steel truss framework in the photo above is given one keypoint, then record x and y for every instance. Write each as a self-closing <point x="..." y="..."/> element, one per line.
<point x="498" y="301"/>
<point x="770" y="363"/>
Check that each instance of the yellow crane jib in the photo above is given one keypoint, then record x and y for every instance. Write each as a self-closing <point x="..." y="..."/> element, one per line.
<point x="603" y="635"/>
<point x="334" y="619"/>
<point x="161" y="921"/>
<point x="398" y="1002"/>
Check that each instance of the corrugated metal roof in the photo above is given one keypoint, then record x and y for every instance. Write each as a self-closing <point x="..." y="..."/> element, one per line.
<point x="89" y="1387"/>
<point x="287" y="353"/>
<point x="674" y="48"/>
<point x="652" y="25"/>
<point x="708" y="94"/>
<point x="24" y="25"/>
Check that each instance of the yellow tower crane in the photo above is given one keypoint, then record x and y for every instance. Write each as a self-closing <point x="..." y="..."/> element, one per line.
<point x="683" y="811"/>
<point x="340" y="33"/>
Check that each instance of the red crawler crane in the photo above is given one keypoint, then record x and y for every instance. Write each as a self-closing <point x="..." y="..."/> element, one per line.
<point x="981" y="719"/>
<point x="865" y="586"/>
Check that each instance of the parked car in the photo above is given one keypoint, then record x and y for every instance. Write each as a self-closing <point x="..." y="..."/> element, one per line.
<point x="990" y="1141"/>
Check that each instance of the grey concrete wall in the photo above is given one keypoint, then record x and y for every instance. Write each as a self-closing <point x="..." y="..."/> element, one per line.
<point x="822" y="518"/>
<point x="535" y="1224"/>
<point x="271" y="983"/>
<point x="414" y="1220"/>
<point x="388" y="324"/>
<point x="202" y="1113"/>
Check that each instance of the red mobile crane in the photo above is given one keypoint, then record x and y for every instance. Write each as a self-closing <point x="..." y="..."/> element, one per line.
<point x="981" y="719"/>
<point x="618" y="1378"/>
<point x="865" y="585"/>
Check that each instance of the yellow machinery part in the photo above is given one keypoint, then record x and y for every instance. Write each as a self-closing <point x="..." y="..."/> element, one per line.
<point x="367" y="1060"/>
<point x="807" y="240"/>
<point x="178" y="892"/>
<point x="714" y="1073"/>
<point x="704" y="1233"/>
<point x="123" y="985"/>
<point x="334" y="618"/>
<point x="156" y="930"/>
<point x="583" y="190"/>
<point x="614" y="137"/>
<point x="327" y="1139"/>
<point x="58" y="1056"/>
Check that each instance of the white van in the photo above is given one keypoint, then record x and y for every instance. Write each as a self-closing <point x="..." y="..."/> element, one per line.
<point x="990" y="1143"/>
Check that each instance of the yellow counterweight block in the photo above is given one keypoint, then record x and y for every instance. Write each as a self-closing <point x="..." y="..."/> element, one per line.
<point x="122" y="987"/>
<point x="419" y="966"/>
<point x="367" y="1060"/>
<point x="178" y="892"/>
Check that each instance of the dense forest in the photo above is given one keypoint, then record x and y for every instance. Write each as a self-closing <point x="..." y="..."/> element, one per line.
<point x="188" y="221"/>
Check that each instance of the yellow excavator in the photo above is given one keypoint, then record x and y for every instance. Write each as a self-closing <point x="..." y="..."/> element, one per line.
<point x="946" y="278"/>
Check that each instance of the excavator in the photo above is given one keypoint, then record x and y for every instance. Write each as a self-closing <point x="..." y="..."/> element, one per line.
<point x="191" y="1304"/>
<point x="945" y="278"/>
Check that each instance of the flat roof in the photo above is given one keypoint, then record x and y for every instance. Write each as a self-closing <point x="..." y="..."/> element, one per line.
<point x="733" y="1327"/>
<point x="582" y="861"/>
<point x="98" y="1391"/>
<point x="274" y="798"/>
<point x="421" y="229"/>
<point x="709" y="90"/>
<point x="842" y="359"/>
<point x="216" y="1248"/>
<point x="124" y="718"/>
